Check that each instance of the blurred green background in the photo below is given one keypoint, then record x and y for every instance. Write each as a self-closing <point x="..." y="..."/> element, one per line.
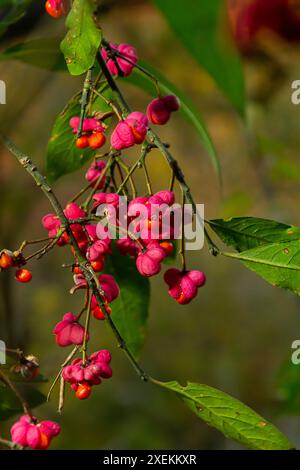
<point x="238" y="332"/>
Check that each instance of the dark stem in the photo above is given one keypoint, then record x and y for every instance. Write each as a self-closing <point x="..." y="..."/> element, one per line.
<point x="86" y="331"/>
<point x="88" y="82"/>
<point x="182" y="245"/>
<point x="128" y="175"/>
<point x="113" y="86"/>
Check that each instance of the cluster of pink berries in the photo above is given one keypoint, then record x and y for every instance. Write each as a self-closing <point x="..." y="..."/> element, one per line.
<point x="83" y="376"/>
<point x="183" y="286"/>
<point x="149" y="253"/>
<point x="28" y="432"/>
<point x="52" y="224"/>
<point x="93" y="133"/>
<point x="93" y="248"/>
<point x="129" y="131"/>
<point x="160" y="109"/>
<point x="132" y="129"/>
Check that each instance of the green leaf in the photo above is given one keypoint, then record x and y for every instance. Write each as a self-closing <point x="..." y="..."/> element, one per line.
<point x="139" y="79"/>
<point x="277" y="263"/>
<point x="288" y="387"/>
<point x="83" y="39"/>
<point x="200" y="26"/>
<point x="230" y="416"/>
<point x="11" y="11"/>
<point x="63" y="157"/>
<point x="10" y="405"/>
<point x="244" y="233"/>
<point x="41" y="52"/>
<point x="130" y="309"/>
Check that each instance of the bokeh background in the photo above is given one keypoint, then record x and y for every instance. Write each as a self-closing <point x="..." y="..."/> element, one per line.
<point x="237" y="334"/>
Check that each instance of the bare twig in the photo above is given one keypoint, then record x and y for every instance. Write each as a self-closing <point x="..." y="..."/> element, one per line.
<point x="61" y="394"/>
<point x="88" y="82"/>
<point x="86" y="331"/>
<point x="9" y="383"/>
<point x="10" y="445"/>
<point x="68" y="359"/>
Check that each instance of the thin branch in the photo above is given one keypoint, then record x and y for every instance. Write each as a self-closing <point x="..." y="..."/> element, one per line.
<point x="172" y="181"/>
<point x="131" y="181"/>
<point x="10" y="445"/>
<point x="86" y="331"/>
<point x="121" y="176"/>
<point x="85" y="306"/>
<point x="121" y="343"/>
<point x="138" y="164"/>
<point x="148" y="182"/>
<point x="62" y="388"/>
<point x="96" y="183"/>
<point x="108" y="102"/>
<point x="8" y="382"/>
<point x="18" y="352"/>
<point x="82" y="191"/>
<point x="91" y="183"/>
<point x="91" y="98"/>
<point x="67" y="360"/>
<point x="182" y="240"/>
<point x="26" y="243"/>
<point x="42" y="251"/>
<point x="88" y="82"/>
